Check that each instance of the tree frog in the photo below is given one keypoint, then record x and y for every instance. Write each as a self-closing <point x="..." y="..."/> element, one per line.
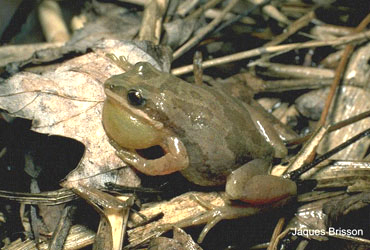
<point x="161" y="124"/>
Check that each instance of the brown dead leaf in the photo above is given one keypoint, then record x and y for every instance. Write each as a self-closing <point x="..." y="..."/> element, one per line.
<point x="181" y="241"/>
<point x="68" y="102"/>
<point x="350" y="101"/>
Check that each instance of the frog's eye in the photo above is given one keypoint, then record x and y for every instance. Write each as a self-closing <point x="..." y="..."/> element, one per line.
<point x="135" y="98"/>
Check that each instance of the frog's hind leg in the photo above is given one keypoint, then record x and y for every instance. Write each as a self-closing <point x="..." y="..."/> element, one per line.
<point x="216" y="217"/>
<point x="211" y="217"/>
<point x="209" y="226"/>
<point x="120" y="61"/>
<point x="217" y="213"/>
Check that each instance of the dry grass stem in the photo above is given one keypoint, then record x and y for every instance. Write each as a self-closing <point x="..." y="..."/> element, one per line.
<point x="198" y="70"/>
<point x="78" y="237"/>
<point x="151" y="26"/>
<point x="292" y="28"/>
<point x="307" y="151"/>
<point x="339" y="71"/>
<point x="332" y="60"/>
<point x="20" y="52"/>
<point x="137" y="2"/>
<point x="273" y="49"/>
<point x="275" y="234"/>
<point x="213" y="13"/>
<point x="52" y="22"/>
<point x="204" y="31"/>
<point x="266" y="54"/>
<point x="333" y="127"/>
<point x="272" y="11"/>
<point x="202" y="9"/>
<point x="295" y="71"/>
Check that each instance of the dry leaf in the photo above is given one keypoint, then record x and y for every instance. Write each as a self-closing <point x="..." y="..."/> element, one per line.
<point x="68" y="102"/>
<point x="181" y="241"/>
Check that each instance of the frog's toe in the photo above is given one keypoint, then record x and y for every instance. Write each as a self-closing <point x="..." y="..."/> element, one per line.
<point x="120" y="61"/>
<point x="209" y="226"/>
<point x="207" y="205"/>
<point x="226" y="212"/>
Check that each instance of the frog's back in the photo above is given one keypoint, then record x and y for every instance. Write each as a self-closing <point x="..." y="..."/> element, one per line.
<point x="216" y="129"/>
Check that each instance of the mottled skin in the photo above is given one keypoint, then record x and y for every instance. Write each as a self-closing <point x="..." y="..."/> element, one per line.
<point x="215" y="128"/>
<point x="199" y="130"/>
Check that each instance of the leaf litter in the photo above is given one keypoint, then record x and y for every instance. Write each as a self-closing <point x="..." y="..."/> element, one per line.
<point x="67" y="101"/>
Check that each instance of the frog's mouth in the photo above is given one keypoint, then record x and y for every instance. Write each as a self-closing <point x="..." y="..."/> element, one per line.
<point x="141" y="141"/>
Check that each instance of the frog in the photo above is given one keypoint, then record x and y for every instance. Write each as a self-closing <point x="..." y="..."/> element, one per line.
<point x="160" y="124"/>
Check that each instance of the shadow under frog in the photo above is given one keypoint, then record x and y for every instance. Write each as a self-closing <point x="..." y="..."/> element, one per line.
<point x="160" y="124"/>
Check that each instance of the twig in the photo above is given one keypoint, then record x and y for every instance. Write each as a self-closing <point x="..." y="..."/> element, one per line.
<point x="273" y="49"/>
<point x="20" y="52"/>
<point x="272" y="12"/>
<point x="213" y="13"/>
<point x="240" y="16"/>
<point x="62" y="229"/>
<point x="307" y="153"/>
<point x="138" y="2"/>
<point x="294" y="175"/>
<point x="349" y="121"/>
<point x="152" y="21"/>
<point x="295" y="71"/>
<point x="51" y="198"/>
<point x="203" y="8"/>
<point x="293" y="28"/>
<point x="291" y="84"/>
<point x="276" y="233"/>
<point x="198" y="70"/>
<point x="332" y="128"/>
<point x="339" y="71"/>
<point x="204" y="31"/>
<point x="52" y="22"/>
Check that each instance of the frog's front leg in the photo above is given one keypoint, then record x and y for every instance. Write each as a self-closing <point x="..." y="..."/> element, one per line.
<point x="174" y="160"/>
<point x="251" y="183"/>
<point x="120" y="61"/>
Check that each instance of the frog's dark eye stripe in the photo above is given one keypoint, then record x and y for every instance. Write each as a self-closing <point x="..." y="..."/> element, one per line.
<point x="135" y="98"/>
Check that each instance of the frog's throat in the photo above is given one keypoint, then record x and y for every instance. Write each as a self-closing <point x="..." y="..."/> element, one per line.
<point x="175" y="158"/>
<point x="128" y="127"/>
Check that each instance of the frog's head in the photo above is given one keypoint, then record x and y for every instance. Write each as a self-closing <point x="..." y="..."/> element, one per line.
<point x="130" y="122"/>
